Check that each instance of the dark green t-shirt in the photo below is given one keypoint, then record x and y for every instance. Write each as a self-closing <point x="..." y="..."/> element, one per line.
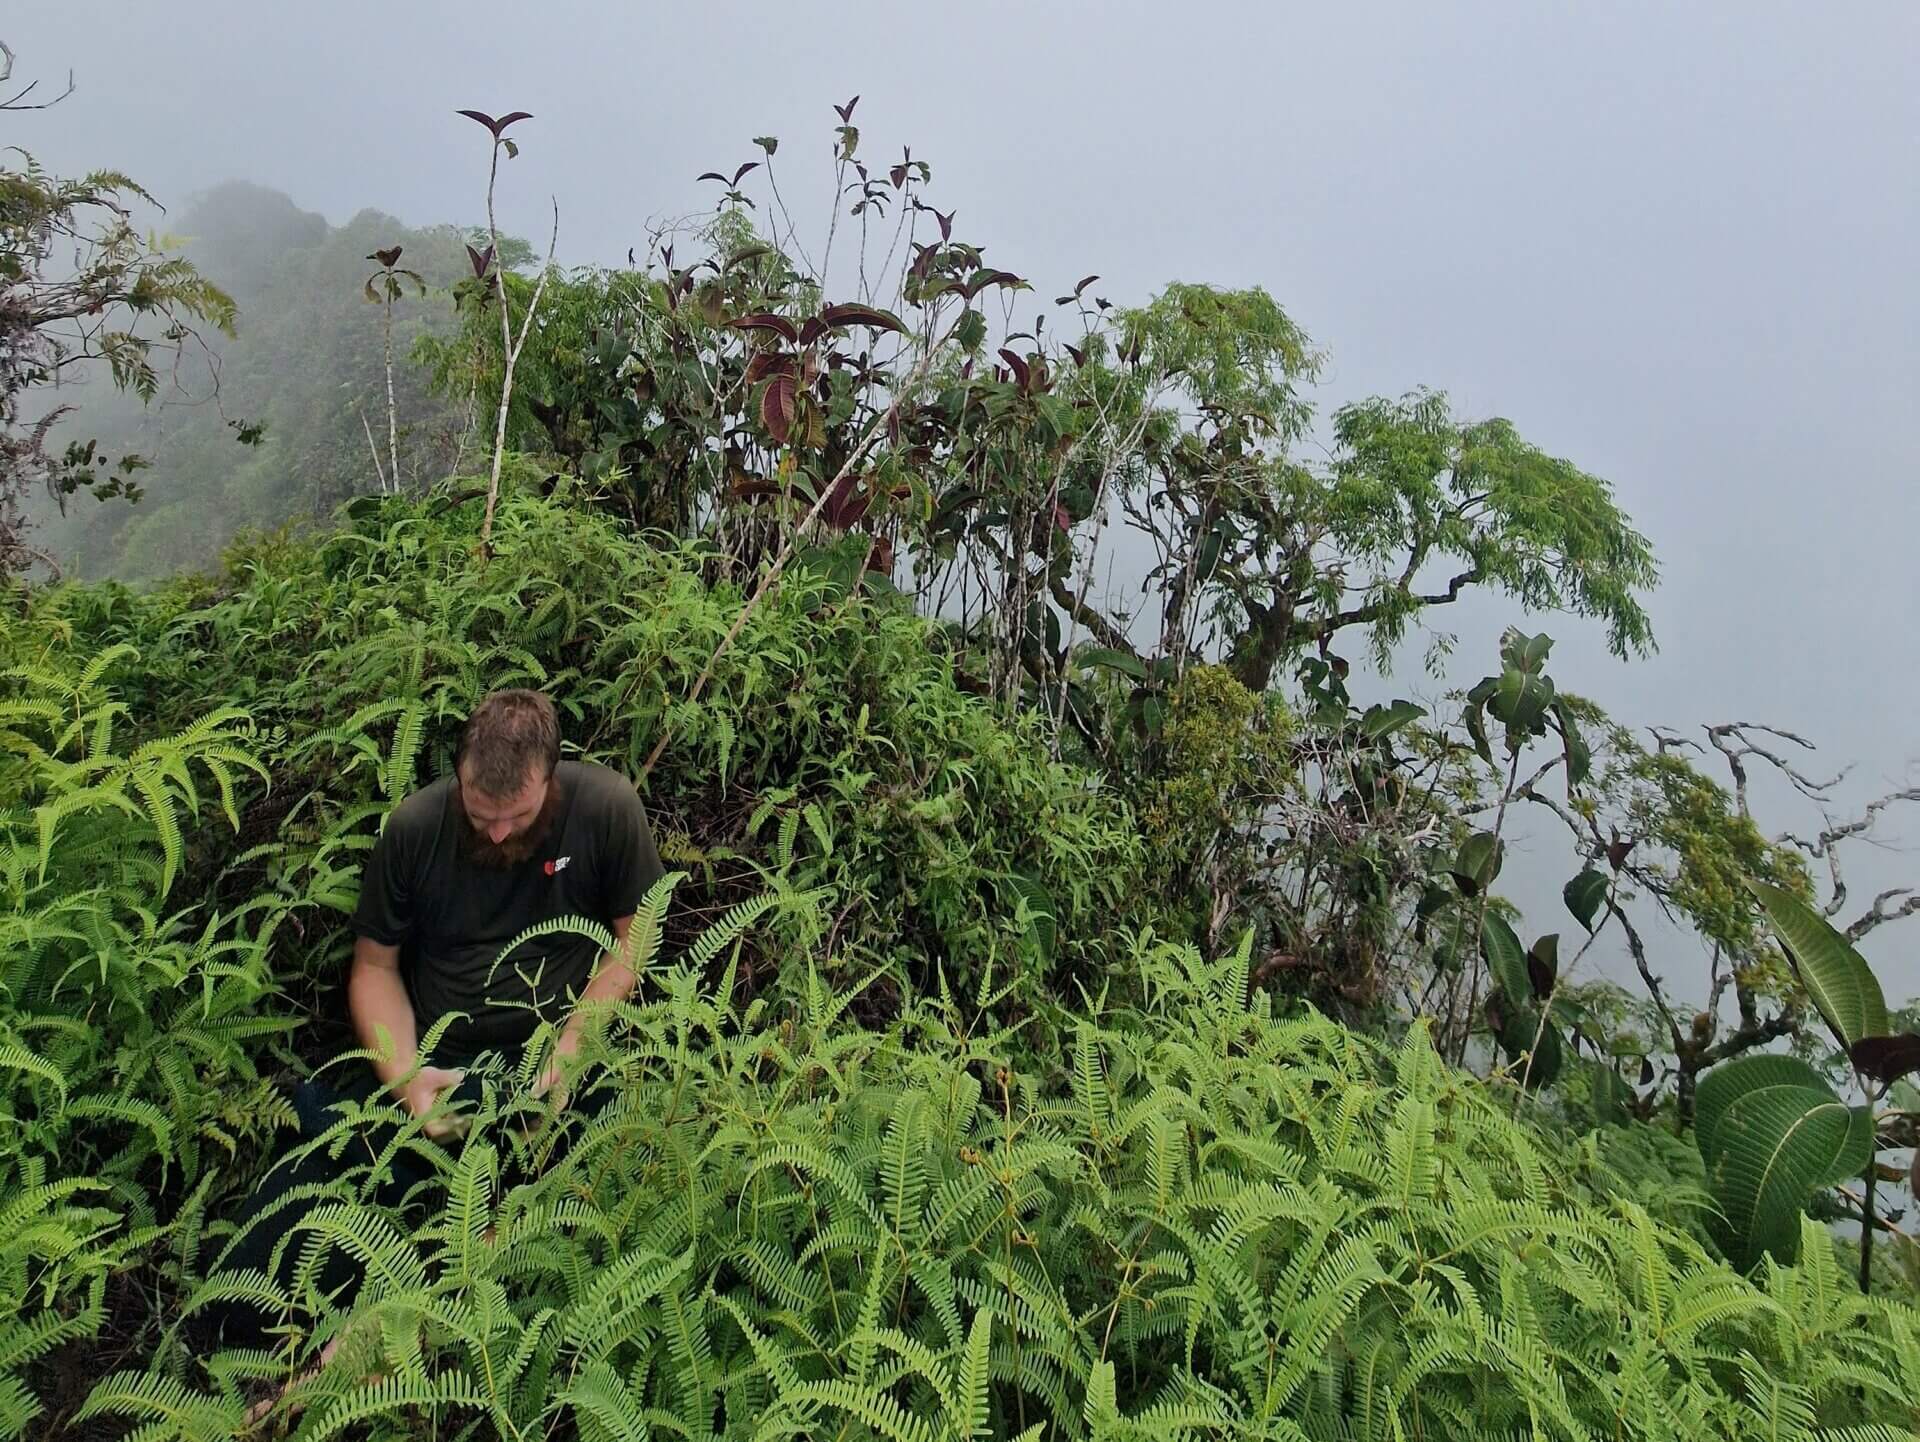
<point x="451" y="917"/>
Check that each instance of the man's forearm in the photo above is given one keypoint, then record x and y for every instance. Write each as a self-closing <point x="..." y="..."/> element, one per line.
<point x="612" y="983"/>
<point x="382" y="1013"/>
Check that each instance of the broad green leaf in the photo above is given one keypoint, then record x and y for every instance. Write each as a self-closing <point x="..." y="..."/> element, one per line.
<point x="1523" y="1036"/>
<point x="1774" y="1145"/>
<point x="1108" y="659"/>
<point x="1041" y="923"/>
<point x="1477" y="731"/>
<point x="1524" y="652"/>
<point x="1549" y="1056"/>
<point x="1385" y="720"/>
<point x="1543" y="964"/>
<point x="1478" y="863"/>
<point x="1731" y="1080"/>
<point x="971" y="330"/>
<point x="1584" y="894"/>
<point x="1521" y="699"/>
<point x="1836" y="976"/>
<point x="1579" y="755"/>
<point x="1505" y="959"/>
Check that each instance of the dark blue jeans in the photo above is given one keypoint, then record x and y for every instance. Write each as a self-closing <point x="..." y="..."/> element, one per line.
<point x="305" y="1176"/>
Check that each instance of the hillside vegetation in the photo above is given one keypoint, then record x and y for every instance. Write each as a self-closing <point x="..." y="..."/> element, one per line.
<point x="1067" y="1014"/>
<point x="305" y="361"/>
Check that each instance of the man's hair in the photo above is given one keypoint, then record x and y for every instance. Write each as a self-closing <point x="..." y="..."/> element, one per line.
<point x="510" y="735"/>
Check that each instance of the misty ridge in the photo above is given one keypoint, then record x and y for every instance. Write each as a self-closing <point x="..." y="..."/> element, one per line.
<point x="1157" y="937"/>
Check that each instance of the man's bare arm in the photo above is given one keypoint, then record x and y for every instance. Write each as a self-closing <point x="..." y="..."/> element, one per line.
<point x="613" y="982"/>
<point x="377" y="1001"/>
<point x="383" y="1020"/>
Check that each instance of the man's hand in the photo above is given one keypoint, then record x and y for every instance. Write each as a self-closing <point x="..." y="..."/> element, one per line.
<point x="424" y="1092"/>
<point x="552" y="1085"/>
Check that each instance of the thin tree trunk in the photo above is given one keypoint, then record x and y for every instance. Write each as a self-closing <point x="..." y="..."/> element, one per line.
<point x="373" y="449"/>
<point x="393" y="413"/>
<point x="511" y="356"/>
<point x="1867" y="1180"/>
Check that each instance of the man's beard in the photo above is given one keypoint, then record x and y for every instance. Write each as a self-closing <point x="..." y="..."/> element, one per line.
<point x="505" y="855"/>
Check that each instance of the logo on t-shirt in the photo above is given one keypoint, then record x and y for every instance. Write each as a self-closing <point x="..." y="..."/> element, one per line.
<point x="557" y="865"/>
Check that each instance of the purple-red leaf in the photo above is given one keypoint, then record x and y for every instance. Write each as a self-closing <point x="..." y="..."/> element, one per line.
<point x="766" y="363"/>
<point x="496" y="126"/>
<point x="766" y="320"/>
<point x="1085" y="283"/>
<point x="812" y="329"/>
<point x="1079" y="356"/>
<point x="1021" y="373"/>
<point x="984" y="278"/>
<point x="779" y="403"/>
<point x="1887" y="1058"/>
<point x="750" y="165"/>
<point x="481" y="260"/>
<point x="389" y="257"/>
<point x="846" y="503"/>
<point x="867" y="315"/>
<point x="845" y="112"/>
<point x="709" y="175"/>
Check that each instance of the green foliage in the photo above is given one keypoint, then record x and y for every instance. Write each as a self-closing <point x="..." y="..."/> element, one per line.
<point x="131" y="1034"/>
<point x="1537" y="527"/>
<point x="1770" y="1130"/>
<point x="1836" y="977"/>
<point x="1214" y="1222"/>
<point x="917" y="1139"/>
<point x="1213" y="759"/>
<point x="81" y="285"/>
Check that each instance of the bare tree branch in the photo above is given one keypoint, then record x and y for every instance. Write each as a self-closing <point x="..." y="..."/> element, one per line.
<point x="1878" y="915"/>
<point x="18" y="101"/>
<point x="1734" y="740"/>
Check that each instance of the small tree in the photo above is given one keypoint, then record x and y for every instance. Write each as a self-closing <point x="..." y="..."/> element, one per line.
<point x="80" y="284"/>
<point x="383" y="288"/>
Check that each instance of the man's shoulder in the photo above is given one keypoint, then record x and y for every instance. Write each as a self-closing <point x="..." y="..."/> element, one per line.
<point x="597" y="788"/>
<point x="421" y="812"/>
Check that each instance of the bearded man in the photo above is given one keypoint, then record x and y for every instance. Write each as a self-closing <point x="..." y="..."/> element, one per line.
<point x="463" y="869"/>
<point x="513" y="838"/>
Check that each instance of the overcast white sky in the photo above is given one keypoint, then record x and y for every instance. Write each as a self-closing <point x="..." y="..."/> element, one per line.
<point x="1674" y="243"/>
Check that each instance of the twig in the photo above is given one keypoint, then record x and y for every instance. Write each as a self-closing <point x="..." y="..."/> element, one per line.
<point x="512" y="355"/>
<point x="1879" y="915"/>
<point x="16" y="102"/>
<point x="374" y="450"/>
<point x="45" y="558"/>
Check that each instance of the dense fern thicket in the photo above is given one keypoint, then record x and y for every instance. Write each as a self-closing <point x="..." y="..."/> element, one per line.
<point x="915" y="1131"/>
